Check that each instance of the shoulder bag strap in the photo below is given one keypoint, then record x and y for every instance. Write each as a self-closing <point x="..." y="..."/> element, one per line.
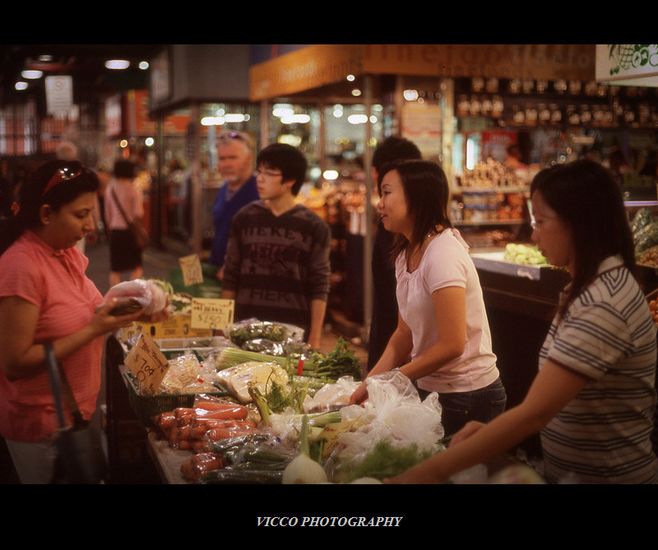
<point x="60" y="386"/>
<point x="116" y="201"/>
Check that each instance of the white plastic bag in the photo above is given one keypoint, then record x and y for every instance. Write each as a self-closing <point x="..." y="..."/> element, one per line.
<point x="393" y="412"/>
<point x="331" y="396"/>
<point x="147" y="294"/>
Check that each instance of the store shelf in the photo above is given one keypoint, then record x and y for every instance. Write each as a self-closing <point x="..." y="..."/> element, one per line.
<point x="640" y="204"/>
<point x="461" y="190"/>
<point x="496" y="263"/>
<point x="491" y="222"/>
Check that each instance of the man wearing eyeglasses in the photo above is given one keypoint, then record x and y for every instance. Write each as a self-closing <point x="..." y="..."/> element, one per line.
<point x="239" y="189"/>
<point x="277" y="263"/>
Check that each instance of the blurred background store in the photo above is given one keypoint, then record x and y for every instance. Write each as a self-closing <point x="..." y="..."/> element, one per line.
<point x="491" y="114"/>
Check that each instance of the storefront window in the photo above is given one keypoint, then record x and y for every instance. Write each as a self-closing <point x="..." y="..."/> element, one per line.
<point x="299" y="126"/>
<point x="345" y="137"/>
<point x="179" y="138"/>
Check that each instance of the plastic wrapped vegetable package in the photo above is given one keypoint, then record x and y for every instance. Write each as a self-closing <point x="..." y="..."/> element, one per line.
<point x="137" y="294"/>
<point x="332" y="396"/>
<point x="394" y="413"/>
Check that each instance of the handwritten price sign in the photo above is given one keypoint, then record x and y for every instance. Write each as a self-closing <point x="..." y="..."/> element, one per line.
<point x="147" y="364"/>
<point x="212" y="313"/>
<point x="191" y="267"/>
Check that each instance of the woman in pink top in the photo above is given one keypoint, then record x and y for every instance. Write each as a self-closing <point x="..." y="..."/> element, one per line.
<point x="122" y="194"/>
<point x="46" y="296"/>
<point x="442" y="341"/>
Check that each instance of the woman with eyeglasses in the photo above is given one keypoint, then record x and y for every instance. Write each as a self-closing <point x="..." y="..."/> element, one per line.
<point x="594" y="397"/>
<point x="45" y="296"/>
<point x="442" y="341"/>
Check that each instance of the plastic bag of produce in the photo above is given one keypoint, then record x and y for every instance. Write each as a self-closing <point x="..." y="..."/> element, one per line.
<point x="641" y="219"/>
<point x="646" y="237"/>
<point x="134" y="295"/>
<point x="249" y="329"/>
<point x="332" y="396"/>
<point x="395" y="413"/>
<point x="186" y="375"/>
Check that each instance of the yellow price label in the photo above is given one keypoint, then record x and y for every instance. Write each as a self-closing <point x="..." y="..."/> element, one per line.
<point x="148" y="365"/>
<point x="177" y="326"/>
<point x="212" y="313"/>
<point x="191" y="267"/>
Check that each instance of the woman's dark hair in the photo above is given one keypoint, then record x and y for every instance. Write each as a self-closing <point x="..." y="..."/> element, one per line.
<point x="286" y="158"/>
<point x="391" y="149"/>
<point x="55" y="183"/>
<point x="585" y="196"/>
<point x="124" y="169"/>
<point x="426" y="192"/>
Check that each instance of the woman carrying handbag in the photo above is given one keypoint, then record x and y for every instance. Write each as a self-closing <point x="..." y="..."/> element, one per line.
<point x="45" y="296"/>
<point x="124" y="206"/>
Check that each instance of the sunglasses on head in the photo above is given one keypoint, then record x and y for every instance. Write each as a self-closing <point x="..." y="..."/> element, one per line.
<point x="65" y="173"/>
<point x="227" y="136"/>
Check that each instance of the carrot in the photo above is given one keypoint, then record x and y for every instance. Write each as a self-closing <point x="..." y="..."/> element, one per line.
<point x="217" y="434"/>
<point x="234" y="411"/>
<point x="214" y="405"/>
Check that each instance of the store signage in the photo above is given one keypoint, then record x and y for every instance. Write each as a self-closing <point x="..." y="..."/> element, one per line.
<point x="148" y="365"/>
<point x="212" y="313"/>
<point x="161" y="84"/>
<point x="627" y="64"/>
<point x="191" y="267"/>
<point x="113" y="116"/>
<point x="59" y="94"/>
<point x="315" y="66"/>
<point x="177" y="326"/>
<point x="304" y="69"/>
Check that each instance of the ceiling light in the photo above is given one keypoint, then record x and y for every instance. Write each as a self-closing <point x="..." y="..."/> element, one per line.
<point x="338" y="113"/>
<point x="31" y="74"/>
<point x="357" y="119"/>
<point x="356" y="92"/>
<point x="143" y="65"/>
<point x="330" y="175"/>
<point x="282" y="109"/>
<point x="235" y="117"/>
<point x="46" y="58"/>
<point x="350" y="78"/>
<point x="117" y="64"/>
<point x="20" y="85"/>
<point x="410" y="95"/>
<point x="123" y="143"/>
<point x="295" y="119"/>
<point x="149" y="141"/>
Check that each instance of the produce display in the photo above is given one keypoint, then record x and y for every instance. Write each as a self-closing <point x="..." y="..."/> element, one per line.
<point x="524" y="254"/>
<point x="653" y="307"/>
<point x="267" y="409"/>
<point x="644" y="227"/>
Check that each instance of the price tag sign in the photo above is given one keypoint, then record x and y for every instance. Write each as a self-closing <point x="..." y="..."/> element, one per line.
<point x="191" y="267"/>
<point x="177" y="326"/>
<point x="148" y="365"/>
<point x="212" y="313"/>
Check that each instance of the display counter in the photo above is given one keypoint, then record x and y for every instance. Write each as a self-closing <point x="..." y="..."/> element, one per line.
<point x="167" y="461"/>
<point x="520" y="302"/>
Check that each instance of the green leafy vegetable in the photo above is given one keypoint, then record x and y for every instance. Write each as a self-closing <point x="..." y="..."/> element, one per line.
<point x="383" y="461"/>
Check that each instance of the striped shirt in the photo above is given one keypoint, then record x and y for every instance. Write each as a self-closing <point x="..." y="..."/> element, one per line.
<point x="607" y="334"/>
<point x="277" y="264"/>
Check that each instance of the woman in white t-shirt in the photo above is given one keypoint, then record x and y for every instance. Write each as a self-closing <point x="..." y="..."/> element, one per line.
<point x="594" y="397"/>
<point x="442" y="341"/>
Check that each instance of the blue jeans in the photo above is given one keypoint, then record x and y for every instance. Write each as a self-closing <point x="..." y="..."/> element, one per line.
<point x="461" y="407"/>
